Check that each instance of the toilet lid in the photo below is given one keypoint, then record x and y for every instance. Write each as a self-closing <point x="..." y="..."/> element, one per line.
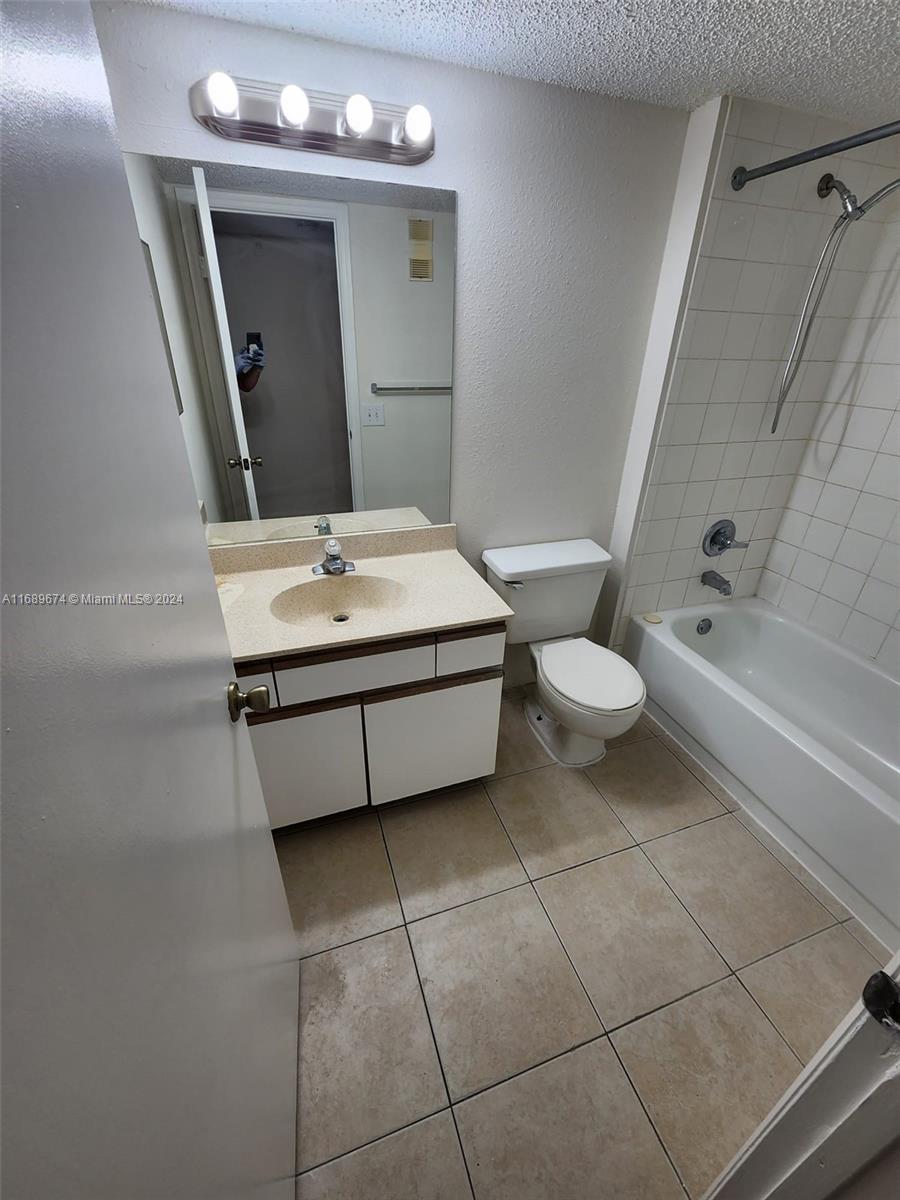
<point x="591" y="676"/>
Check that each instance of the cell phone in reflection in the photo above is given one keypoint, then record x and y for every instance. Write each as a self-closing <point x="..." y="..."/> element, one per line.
<point x="254" y="340"/>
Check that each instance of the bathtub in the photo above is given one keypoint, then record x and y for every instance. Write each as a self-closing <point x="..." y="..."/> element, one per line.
<point x="806" y="731"/>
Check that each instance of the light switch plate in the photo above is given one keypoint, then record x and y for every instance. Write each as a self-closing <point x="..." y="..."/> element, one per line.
<point x="373" y="414"/>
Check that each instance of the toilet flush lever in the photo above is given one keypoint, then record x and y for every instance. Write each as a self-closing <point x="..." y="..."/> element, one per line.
<point x="515" y="584"/>
<point x="256" y="700"/>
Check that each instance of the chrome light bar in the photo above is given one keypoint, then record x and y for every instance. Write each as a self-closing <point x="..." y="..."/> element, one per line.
<point x="247" y="110"/>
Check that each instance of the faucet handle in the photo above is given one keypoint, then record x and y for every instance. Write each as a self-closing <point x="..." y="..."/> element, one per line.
<point x="721" y="537"/>
<point x="333" y="548"/>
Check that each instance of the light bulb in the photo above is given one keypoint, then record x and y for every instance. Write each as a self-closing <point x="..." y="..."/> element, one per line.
<point x="223" y="93"/>
<point x="294" y="105"/>
<point x="358" y="114"/>
<point x="417" y="124"/>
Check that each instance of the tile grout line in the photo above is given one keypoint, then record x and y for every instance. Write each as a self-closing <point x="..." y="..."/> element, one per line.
<point x="382" y="1137"/>
<point x="434" y="1040"/>
<point x="771" y="1022"/>
<point x="590" y="1001"/>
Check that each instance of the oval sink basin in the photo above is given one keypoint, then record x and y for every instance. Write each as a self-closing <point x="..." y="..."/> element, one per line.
<point x="335" y="598"/>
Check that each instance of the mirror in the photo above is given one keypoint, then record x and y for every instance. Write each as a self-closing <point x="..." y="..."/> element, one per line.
<point x="310" y="321"/>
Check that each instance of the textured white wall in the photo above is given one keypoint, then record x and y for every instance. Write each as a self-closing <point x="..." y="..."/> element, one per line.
<point x="564" y="201"/>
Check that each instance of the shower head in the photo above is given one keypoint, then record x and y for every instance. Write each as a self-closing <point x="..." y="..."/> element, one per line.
<point x="828" y="184"/>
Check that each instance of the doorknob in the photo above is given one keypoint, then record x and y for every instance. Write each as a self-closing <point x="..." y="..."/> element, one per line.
<point x="255" y="462"/>
<point x="234" y="462"/>
<point x="256" y="700"/>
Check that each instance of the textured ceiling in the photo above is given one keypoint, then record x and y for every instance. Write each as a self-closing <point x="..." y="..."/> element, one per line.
<point x="833" y="57"/>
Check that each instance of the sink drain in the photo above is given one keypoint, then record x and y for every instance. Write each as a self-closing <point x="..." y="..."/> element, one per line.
<point x="340" y="618"/>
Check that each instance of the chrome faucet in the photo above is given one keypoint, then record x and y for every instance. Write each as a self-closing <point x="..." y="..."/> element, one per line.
<point x="333" y="563"/>
<point x="323" y="526"/>
<point x="714" y="580"/>
<point x="720" y="537"/>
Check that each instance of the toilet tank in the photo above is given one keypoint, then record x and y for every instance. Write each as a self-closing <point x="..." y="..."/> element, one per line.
<point x="551" y="586"/>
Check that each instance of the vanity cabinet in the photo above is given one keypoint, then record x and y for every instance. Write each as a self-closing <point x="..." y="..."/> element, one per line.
<point x="427" y="737"/>
<point x="367" y="724"/>
<point x="311" y="760"/>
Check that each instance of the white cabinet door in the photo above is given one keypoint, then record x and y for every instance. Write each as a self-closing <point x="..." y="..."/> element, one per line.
<point x="310" y="764"/>
<point x="428" y="739"/>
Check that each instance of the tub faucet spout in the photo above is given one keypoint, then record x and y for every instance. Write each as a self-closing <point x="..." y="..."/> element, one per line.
<point x="714" y="580"/>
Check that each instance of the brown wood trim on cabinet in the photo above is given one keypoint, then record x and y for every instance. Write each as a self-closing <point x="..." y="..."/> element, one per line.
<point x="431" y="685"/>
<point x="359" y="650"/>
<point x="472" y="631"/>
<point x="261" y="666"/>
<point x="303" y="710"/>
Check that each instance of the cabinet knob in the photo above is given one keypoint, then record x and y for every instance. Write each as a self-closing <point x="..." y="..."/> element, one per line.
<point x="256" y="700"/>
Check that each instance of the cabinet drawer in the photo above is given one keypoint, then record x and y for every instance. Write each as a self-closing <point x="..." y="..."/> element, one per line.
<point x="470" y="651"/>
<point x="253" y="675"/>
<point x="310" y="763"/>
<point x="431" y="738"/>
<point x="363" y="670"/>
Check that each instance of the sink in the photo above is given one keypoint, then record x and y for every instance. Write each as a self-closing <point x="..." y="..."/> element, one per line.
<point x="335" y="598"/>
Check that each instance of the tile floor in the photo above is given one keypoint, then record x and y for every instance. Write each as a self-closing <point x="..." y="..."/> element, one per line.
<point x="563" y="984"/>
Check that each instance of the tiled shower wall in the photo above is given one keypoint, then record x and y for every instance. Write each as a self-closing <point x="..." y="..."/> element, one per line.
<point x="835" y="561"/>
<point x="715" y="455"/>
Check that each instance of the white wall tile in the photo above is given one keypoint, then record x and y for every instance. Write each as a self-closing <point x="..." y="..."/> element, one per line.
<point x="843" y="583"/>
<point x="836" y="503"/>
<point x="879" y="600"/>
<point x="873" y="514"/>
<point x="823" y="537"/>
<point x="717" y="422"/>
<point x="857" y="550"/>
<point x="887" y="564"/>
<point x="798" y="600"/>
<point x="771" y="587"/>
<point x="707" y="462"/>
<point x="829" y="615"/>
<point x="696" y="499"/>
<point x="864" y="634"/>
<point x="884" y="476"/>
<point x="782" y="557"/>
<point x="805" y="494"/>
<point x="810" y="569"/>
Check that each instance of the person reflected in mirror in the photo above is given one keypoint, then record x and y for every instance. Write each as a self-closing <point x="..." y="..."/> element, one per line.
<point x="249" y="363"/>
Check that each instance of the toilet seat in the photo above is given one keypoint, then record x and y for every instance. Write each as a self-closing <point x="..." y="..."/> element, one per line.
<point x="590" y="677"/>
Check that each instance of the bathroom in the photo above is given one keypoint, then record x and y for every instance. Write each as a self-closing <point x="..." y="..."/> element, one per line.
<point x="450" y="684"/>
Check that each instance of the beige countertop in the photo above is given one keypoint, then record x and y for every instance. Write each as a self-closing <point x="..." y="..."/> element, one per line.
<point x="422" y="590"/>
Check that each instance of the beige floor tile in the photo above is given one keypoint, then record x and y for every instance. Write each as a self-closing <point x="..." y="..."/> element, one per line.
<point x="797" y="869"/>
<point x="684" y="756"/>
<point x="501" y="993"/>
<point x="650" y="790"/>
<point x="422" y="1162"/>
<point x="630" y="939"/>
<point x="639" y="730"/>
<point x="708" y="1068"/>
<point x="367" y="1059"/>
<point x="338" y="883"/>
<point x="809" y="988"/>
<point x="875" y="947"/>
<point x="449" y="849"/>
<point x="747" y="903"/>
<point x="556" y="818"/>
<point x="517" y="747"/>
<point x="571" y="1129"/>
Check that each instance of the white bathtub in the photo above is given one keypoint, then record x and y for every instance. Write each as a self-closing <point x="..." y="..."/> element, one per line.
<point x="806" y="729"/>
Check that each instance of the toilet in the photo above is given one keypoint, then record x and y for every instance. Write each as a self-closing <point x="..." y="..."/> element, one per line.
<point x="584" y="693"/>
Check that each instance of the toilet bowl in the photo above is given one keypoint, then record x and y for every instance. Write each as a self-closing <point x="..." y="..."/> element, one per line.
<point x="584" y="695"/>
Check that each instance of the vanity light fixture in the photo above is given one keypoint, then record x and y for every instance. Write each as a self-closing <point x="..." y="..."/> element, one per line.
<point x="290" y="116"/>
<point x="293" y="105"/>
<point x="223" y="94"/>
<point x="358" y="115"/>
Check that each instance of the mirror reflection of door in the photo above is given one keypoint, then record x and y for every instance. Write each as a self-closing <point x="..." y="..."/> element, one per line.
<point x="279" y="276"/>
